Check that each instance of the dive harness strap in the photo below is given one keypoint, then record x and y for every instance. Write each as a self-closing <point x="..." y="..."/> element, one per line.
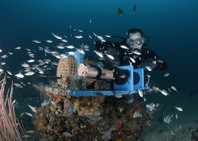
<point x="99" y="72"/>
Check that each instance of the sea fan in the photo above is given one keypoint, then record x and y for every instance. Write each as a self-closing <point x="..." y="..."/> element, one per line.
<point x="8" y="123"/>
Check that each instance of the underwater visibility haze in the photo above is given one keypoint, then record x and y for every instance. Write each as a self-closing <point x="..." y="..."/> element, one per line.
<point x="35" y="33"/>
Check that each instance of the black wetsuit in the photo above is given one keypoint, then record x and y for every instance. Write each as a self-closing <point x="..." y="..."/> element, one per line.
<point x="146" y="58"/>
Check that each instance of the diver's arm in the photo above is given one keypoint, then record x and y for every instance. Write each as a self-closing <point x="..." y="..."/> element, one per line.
<point x="160" y="64"/>
<point x="102" y="46"/>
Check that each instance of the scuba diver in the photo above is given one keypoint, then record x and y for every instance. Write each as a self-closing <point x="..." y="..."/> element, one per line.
<point x="132" y="50"/>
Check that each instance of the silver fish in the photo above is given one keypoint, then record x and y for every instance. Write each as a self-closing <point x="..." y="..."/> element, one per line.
<point x="3" y="63"/>
<point x="98" y="53"/>
<point x="136" y="52"/>
<point x="156" y="89"/>
<point x="140" y="93"/>
<point x="148" y="68"/>
<point x="173" y="88"/>
<point x="164" y="92"/>
<point x="151" y="106"/>
<point x="31" y="61"/>
<point x="36" y="41"/>
<point x="4" y="56"/>
<point x="80" y="30"/>
<point x="47" y="50"/>
<point x="30" y="73"/>
<point x="124" y="47"/>
<point x="13" y="102"/>
<point x="31" y="55"/>
<point x="60" y="47"/>
<point x="10" y="53"/>
<point x="49" y="41"/>
<point x="110" y="56"/>
<point x="95" y="34"/>
<point x="9" y="72"/>
<point x="71" y="53"/>
<point x="81" y="51"/>
<point x="33" y="108"/>
<point x="64" y="40"/>
<point x="19" y="75"/>
<point x="101" y="38"/>
<point x="90" y="36"/>
<point x="57" y="36"/>
<point x="86" y="46"/>
<point x="17" y="48"/>
<point x="132" y="59"/>
<point x="39" y="69"/>
<point x="78" y="37"/>
<point x="29" y="114"/>
<point x="25" y="65"/>
<point x="179" y="108"/>
<point x="18" y="85"/>
<point x="108" y="36"/>
<point x="70" y="46"/>
<point x="166" y="74"/>
<point x="30" y="132"/>
<point x="57" y="56"/>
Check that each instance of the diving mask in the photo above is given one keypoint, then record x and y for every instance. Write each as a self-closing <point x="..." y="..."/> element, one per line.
<point x="135" y="42"/>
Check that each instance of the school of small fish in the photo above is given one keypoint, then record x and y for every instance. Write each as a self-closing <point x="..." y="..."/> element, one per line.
<point x="33" y="65"/>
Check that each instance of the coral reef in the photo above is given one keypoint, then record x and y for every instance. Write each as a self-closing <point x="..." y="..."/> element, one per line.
<point x="113" y="122"/>
<point x="194" y="135"/>
<point x="89" y="118"/>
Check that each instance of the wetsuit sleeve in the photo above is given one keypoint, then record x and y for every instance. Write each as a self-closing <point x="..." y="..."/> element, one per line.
<point x="160" y="64"/>
<point x="102" y="46"/>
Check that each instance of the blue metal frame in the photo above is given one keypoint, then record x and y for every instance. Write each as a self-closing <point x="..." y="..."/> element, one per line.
<point x="140" y="85"/>
<point x="127" y="88"/>
<point x="99" y="93"/>
<point x="129" y="84"/>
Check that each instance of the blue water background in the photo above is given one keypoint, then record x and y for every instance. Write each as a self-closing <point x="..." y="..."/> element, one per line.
<point x="171" y="26"/>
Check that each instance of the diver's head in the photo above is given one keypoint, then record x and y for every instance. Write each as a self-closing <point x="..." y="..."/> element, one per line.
<point x="135" y="38"/>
